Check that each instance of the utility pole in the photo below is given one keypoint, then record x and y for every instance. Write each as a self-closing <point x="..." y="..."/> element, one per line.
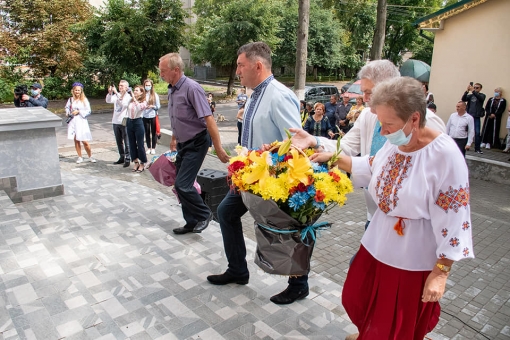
<point x="380" y="30"/>
<point x="302" y="48"/>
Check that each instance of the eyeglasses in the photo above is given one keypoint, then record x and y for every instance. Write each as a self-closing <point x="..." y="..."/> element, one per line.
<point x="477" y="87"/>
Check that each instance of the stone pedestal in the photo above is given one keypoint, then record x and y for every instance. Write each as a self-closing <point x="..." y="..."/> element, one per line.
<point x="30" y="166"/>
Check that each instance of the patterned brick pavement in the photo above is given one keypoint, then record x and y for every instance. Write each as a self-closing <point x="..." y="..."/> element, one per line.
<point x="101" y="261"/>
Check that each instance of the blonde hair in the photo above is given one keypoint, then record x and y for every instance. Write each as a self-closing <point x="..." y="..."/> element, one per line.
<point x="82" y="94"/>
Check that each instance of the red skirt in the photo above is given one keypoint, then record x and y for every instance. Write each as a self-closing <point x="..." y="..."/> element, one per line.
<point x="385" y="302"/>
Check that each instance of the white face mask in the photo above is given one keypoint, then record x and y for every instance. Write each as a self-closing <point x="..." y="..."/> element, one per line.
<point x="148" y="88"/>
<point x="399" y="137"/>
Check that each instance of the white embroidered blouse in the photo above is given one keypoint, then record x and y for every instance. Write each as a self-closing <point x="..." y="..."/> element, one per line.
<point x="423" y="204"/>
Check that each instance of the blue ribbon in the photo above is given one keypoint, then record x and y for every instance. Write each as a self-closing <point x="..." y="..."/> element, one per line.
<point x="311" y="229"/>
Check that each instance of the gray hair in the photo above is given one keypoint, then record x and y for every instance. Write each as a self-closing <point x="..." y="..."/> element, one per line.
<point x="402" y="94"/>
<point x="378" y="71"/>
<point x="125" y="82"/>
<point x="173" y="60"/>
<point x="257" y="51"/>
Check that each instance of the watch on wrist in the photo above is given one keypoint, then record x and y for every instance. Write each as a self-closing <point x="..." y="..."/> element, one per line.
<point x="443" y="268"/>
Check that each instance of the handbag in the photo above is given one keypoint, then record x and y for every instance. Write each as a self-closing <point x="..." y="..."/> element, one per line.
<point x="158" y="127"/>
<point x="124" y="121"/>
<point x="164" y="171"/>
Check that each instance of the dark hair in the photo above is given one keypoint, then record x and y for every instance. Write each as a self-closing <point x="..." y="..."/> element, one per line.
<point x="257" y="50"/>
<point x="432" y="106"/>
<point x="426" y="87"/>
<point x="480" y="85"/>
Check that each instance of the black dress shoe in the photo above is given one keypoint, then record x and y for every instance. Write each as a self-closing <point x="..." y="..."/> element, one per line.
<point x="120" y="161"/>
<point x="126" y="164"/>
<point x="289" y="296"/>
<point x="182" y="230"/>
<point x="202" y="224"/>
<point x="226" y="278"/>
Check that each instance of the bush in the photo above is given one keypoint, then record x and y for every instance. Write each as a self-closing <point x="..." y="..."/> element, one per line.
<point x="56" y="88"/>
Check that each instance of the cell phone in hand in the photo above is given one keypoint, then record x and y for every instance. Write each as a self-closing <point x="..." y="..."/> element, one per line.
<point x="471" y="83"/>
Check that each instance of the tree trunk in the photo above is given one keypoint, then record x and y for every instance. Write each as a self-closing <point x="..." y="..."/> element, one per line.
<point x="302" y="49"/>
<point x="380" y="30"/>
<point x="231" y="77"/>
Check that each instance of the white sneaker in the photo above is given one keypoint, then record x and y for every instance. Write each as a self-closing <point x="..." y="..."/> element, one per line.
<point x="487" y="146"/>
<point x="153" y="151"/>
<point x="79" y="160"/>
<point x="482" y="145"/>
<point x="92" y="160"/>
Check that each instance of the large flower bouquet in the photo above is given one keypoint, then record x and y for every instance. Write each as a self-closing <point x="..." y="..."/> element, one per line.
<point x="286" y="194"/>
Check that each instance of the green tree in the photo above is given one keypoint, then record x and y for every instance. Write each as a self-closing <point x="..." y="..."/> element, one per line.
<point x="41" y="34"/>
<point x="401" y="35"/>
<point x="325" y="41"/>
<point x="132" y="35"/>
<point x="224" y="26"/>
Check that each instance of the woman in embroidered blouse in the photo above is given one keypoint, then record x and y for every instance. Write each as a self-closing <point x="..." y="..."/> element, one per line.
<point x="318" y="123"/>
<point x="494" y="110"/>
<point x="135" y="130"/>
<point x="78" y="128"/>
<point x="149" y="116"/>
<point x="422" y="224"/>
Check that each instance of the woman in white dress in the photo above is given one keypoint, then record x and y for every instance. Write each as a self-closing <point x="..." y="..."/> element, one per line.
<point x="422" y="225"/>
<point x="78" y="108"/>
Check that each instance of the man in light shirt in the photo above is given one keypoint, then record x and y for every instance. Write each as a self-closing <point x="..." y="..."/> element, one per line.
<point x="461" y="127"/>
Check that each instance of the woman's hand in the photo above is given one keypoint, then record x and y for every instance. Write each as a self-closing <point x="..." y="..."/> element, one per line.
<point x="321" y="157"/>
<point x="75" y="112"/>
<point x="434" y="286"/>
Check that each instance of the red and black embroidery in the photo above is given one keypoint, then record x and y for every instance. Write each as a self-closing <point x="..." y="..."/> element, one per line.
<point x="465" y="225"/>
<point x="371" y="160"/>
<point x="389" y="181"/>
<point x="465" y="252"/>
<point x="444" y="232"/>
<point x="454" y="242"/>
<point x="453" y="198"/>
<point x="442" y="256"/>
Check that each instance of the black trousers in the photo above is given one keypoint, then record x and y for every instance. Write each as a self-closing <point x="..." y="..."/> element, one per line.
<point x="190" y="156"/>
<point x="121" y="139"/>
<point x="150" y="132"/>
<point x="461" y="143"/>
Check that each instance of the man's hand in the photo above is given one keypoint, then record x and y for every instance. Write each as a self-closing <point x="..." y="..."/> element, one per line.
<point x="434" y="286"/>
<point x="173" y="144"/>
<point x="25" y="97"/>
<point x="222" y="155"/>
<point x="470" y="88"/>
<point x="492" y="116"/>
<point x="467" y="147"/>
<point x="302" y="139"/>
<point x="321" y="157"/>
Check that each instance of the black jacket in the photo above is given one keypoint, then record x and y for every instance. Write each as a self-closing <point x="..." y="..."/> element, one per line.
<point x="474" y="103"/>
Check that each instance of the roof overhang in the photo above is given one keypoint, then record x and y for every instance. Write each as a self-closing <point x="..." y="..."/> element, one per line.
<point x="434" y="21"/>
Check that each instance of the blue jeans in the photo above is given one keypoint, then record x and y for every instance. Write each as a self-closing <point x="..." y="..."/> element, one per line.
<point x="478" y="138"/>
<point x="190" y="156"/>
<point x="230" y="211"/>
<point x="136" y="132"/>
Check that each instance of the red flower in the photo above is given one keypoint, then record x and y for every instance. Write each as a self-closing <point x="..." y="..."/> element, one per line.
<point x="236" y="166"/>
<point x="319" y="196"/>
<point x="287" y="157"/>
<point x="336" y="178"/>
<point x="301" y="187"/>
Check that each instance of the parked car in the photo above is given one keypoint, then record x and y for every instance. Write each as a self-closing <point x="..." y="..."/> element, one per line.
<point x="320" y="92"/>
<point x="354" y="91"/>
<point x="346" y="86"/>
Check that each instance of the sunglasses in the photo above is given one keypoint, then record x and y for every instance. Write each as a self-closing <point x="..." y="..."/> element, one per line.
<point x="477" y="87"/>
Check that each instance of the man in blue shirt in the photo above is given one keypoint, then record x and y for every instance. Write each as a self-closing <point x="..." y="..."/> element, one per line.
<point x="271" y="109"/>
<point x="193" y="126"/>
<point x="330" y="111"/>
